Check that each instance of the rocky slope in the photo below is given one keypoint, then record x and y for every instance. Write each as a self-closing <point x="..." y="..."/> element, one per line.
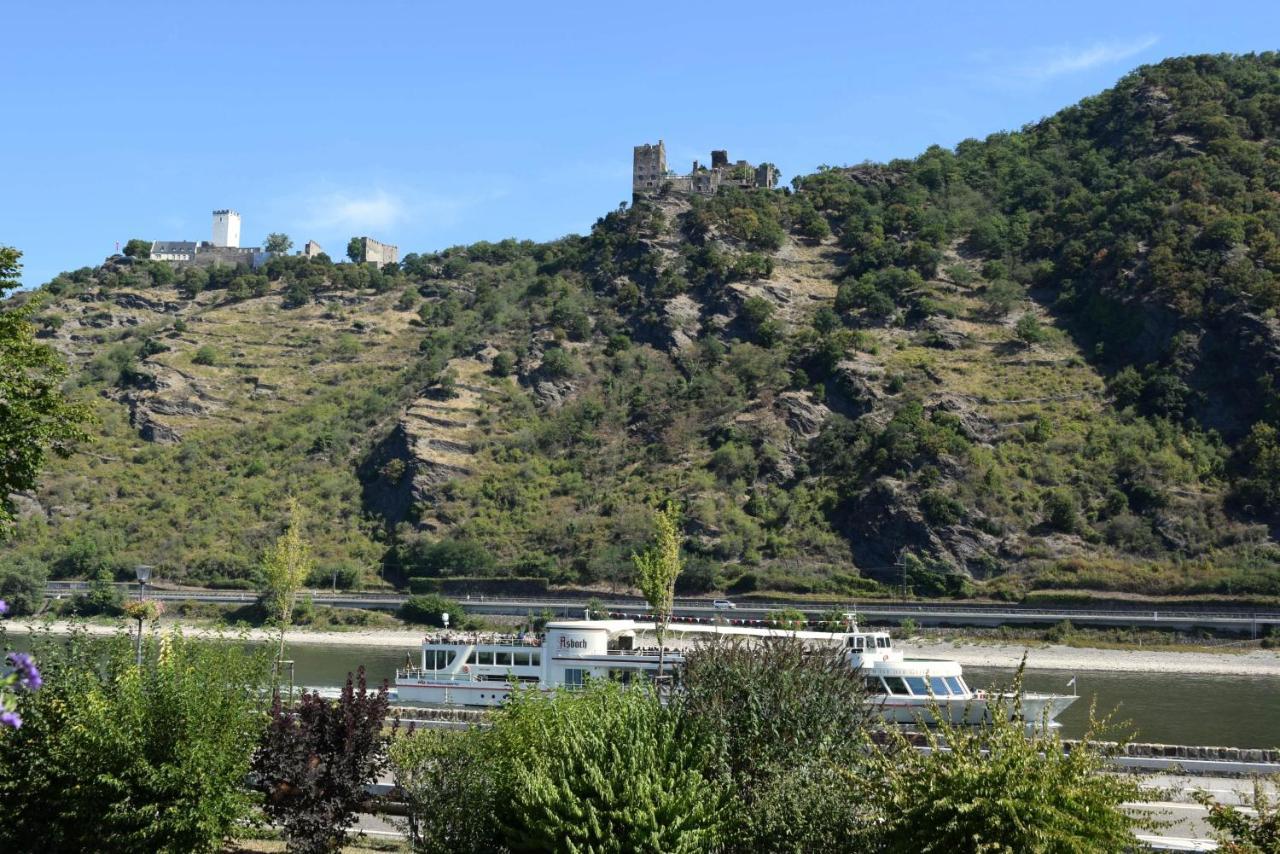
<point x="992" y="369"/>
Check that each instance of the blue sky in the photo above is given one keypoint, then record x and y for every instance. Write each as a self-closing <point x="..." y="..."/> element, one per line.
<point x="431" y="124"/>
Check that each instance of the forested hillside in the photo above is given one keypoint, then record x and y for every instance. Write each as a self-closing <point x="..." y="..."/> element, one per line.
<point x="1046" y="359"/>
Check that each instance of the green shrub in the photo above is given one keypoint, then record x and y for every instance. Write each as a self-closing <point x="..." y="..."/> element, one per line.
<point x="113" y="757"/>
<point x="994" y="787"/>
<point x="428" y="610"/>
<point x="205" y="355"/>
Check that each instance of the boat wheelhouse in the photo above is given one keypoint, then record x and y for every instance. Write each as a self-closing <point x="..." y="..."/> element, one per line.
<point x="473" y="669"/>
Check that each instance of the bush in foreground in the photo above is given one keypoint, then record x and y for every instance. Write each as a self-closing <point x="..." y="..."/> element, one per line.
<point x="997" y="788"/>
<point x="315" y="760"/>
<point x="606" y="769"/>
<point x="116" y="758"/>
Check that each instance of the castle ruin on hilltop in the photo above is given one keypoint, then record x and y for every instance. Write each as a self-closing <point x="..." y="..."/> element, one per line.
<point x="650" y="176"/>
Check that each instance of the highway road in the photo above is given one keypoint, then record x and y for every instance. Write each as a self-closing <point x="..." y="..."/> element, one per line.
<point x="1249" y="623"/>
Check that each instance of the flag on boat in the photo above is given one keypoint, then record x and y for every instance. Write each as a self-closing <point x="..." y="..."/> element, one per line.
<point x="1072" y="683"/>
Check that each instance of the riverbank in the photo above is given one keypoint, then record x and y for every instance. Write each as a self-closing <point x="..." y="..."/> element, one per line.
<point x="1040" y="656"/>
<point x="1043" y="656"/>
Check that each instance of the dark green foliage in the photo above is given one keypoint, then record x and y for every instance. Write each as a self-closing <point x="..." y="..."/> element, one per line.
<point x="137" y="248"/>
<point x="559" y="363"/>
<point x="102" y="598"/>
<point x="1258" y="489"/>
<point x="116" y="758"/>
<point x="504" y="364"/>
<point x="22" y="585"/>
<point x="35" y="419"/>
<point x="789" y="726"/>
<point x="995" y="788"/>
<point x="428" y="609"/>
<point x="448" y="557"/>
<point x="1060" y="510"/>
<point x="606" y="769"/>
<point x="315" y="760"/>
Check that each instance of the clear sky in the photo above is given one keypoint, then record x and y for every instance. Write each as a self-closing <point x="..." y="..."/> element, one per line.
<point x="428" y="124"/>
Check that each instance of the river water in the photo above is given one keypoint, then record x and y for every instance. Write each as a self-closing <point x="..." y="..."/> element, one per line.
<point x="1227" y="711"/>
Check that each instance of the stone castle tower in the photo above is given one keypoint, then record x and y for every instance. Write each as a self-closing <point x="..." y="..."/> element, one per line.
<point x="648" y="167"/>
<point x="226" y="228"/>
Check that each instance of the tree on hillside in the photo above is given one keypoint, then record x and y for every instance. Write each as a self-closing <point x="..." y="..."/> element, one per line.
<point x="137" y="248"/>
<point x="35" y="416"/>
<point x="355" y="250"/>
<point x="277" y="242"/>
<point x="285" y="568"/>
<point x="656" y="570"/>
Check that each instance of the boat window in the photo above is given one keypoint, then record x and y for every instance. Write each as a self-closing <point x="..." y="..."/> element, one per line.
<point x="882" y="642"/>
<point x="439" y="659"/>
<point x="956" y="686"/>
<point x="521" y="659"/>
<point x="939" y="685"/>
<point x="855" y="643"/>
<point x="473" y="657"/>
<point x="502" y="659"/>
<point x="918" y="687"/>
<point x="486" y="656"/>
<point x="535" y="659"/>
<point x="874" y="685"/>
<point x="574" y="677"/>
<point x="896" y="685"/>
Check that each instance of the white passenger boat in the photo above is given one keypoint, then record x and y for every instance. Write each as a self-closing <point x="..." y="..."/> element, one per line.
<point x="476" y="669"/>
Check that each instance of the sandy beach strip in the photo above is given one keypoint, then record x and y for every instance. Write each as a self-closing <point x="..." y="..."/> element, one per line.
<point x="1039" y="656"/>
<point x="1055" y="657"/>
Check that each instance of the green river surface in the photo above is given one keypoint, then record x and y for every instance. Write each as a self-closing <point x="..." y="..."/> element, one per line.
<point x="1228" y="711"/>
<point x="1169" y="708"/>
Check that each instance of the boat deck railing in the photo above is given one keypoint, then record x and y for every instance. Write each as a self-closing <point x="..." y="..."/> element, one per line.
<point x="487" y="638"/>
<point x="433" y="675"/>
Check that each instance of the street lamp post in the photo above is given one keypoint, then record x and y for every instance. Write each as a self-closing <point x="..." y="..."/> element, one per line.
<point x="143" y="573"/>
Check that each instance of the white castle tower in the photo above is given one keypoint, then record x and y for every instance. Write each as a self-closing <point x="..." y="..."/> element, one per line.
<point x="226" y="228"/>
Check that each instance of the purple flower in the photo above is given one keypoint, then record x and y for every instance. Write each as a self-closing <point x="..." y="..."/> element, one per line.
<point x="25" y="667"/>
<point x="4" y="607"/>
<point x="10" y="719"/>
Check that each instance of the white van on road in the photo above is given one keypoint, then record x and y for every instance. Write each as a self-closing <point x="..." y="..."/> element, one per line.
<point x="723" y="605"/>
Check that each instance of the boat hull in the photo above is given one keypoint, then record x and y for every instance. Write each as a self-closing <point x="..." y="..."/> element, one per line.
<point x="1034" y="709"/>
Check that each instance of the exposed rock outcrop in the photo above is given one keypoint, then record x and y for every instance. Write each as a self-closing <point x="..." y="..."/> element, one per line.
<point x="432" y="443"/>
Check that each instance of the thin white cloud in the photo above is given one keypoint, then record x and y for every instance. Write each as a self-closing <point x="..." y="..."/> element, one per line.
<point x="1038" y="65"/>
<point x="1059" y="61"/>
<point x="340" y="211"/>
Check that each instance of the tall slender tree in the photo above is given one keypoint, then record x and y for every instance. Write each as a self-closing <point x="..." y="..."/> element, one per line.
<point x="657" y="568"/>
<point x="285" y="567"/>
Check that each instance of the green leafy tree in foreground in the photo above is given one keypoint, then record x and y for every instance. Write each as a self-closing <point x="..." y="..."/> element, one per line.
<point x="657" y="568"/>
<point x="614" y="774"/>
<point x="355" y="250"/>
<point x="788" y="723"/>
<point x="285" y="568"/>
<point x="603" y="769"/>
<point x="315" y="760"/>
<point x="277" y="242"/>
<point x="998" y="788"/>
<point x="35" y="417"/>
<point x="116" y="758"/>
<point x="1241" y="832"/>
